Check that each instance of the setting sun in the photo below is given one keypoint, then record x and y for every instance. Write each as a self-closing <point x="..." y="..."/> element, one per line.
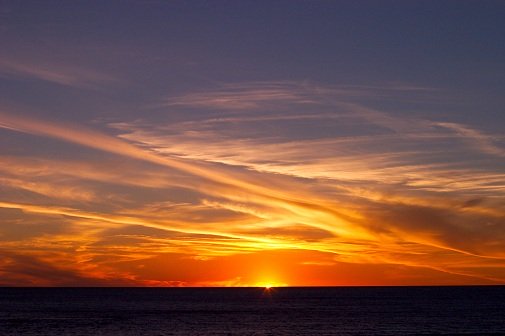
<point x="270" y="284"/>
<point x="267" y="286"/>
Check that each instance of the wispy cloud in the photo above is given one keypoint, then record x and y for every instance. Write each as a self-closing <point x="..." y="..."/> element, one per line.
<point x="254" y="95"/>
<point x="365" y="145"/>
<point x="480" y="140"/>
<point x="245" y="96"/>
<point x="72" y="76"/>
<point x="380" y="190"/>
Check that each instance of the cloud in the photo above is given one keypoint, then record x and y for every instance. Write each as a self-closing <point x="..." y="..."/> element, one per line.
<point x="444" y="227"/>
<point x="71" y="76"/>
<point x="245" y="96"/>
<point x="63" y="192"/>
<point x="475" y="138"/>
<point x="25" y="270"/>
<point x="278" y="94"/>
<point x="428" y="160"/>
<point x="225" y="179"/>
<point x="380" y="189"/>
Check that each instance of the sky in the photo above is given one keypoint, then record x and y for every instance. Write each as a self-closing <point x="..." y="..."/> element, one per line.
<point x="252" y="143"/>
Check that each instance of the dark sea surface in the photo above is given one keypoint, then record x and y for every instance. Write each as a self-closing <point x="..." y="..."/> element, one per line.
<point x="253" y="311"/>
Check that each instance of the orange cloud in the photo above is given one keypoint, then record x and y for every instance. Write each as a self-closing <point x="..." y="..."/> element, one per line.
<point x="195" y="208"/>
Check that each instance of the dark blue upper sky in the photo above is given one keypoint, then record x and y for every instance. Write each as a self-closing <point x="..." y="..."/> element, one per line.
<point x="162" y="47"/>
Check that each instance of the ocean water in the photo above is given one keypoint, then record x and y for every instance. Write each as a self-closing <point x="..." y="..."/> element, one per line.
<point x="253" y="311"/>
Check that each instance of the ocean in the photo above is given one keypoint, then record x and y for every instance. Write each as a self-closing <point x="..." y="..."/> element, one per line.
<point x="468" y="310"/>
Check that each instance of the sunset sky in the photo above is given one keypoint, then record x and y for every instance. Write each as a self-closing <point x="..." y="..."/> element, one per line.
<point x="252" y="143"/>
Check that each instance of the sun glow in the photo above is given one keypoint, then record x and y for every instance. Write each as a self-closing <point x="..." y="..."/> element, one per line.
<point x="267" y="285"/>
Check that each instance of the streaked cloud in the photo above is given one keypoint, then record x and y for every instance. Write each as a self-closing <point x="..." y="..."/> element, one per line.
<point x="72" y="76"/>
<point x="240" y="183"/>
